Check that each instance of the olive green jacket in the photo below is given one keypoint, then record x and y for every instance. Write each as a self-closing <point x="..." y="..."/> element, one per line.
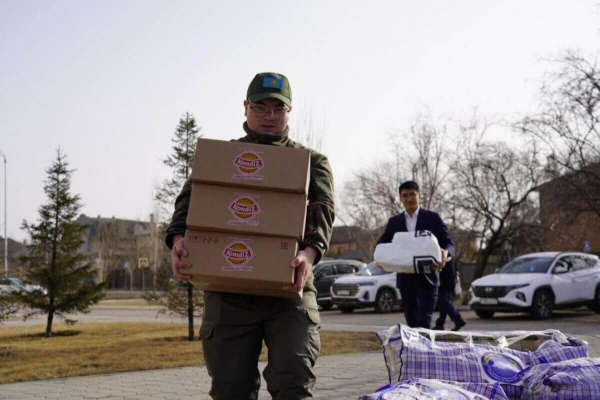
<point x="320" y="212"/>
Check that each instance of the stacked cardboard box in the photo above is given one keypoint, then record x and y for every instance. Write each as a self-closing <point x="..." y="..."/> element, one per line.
<point x="246" y="217"/>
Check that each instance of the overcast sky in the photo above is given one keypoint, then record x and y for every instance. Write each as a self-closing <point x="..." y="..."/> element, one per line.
<point x="107" y="81"/>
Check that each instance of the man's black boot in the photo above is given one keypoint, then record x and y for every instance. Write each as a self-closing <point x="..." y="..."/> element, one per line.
<point x="459" y="325"/>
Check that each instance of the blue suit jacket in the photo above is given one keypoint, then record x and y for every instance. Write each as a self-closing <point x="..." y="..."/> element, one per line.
<point x="426" y="220"/>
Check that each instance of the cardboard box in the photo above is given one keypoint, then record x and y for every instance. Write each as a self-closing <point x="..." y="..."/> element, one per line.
<point x="241" y="263"/>
<point x="256" y="212"/>
<point x="250" y="165"/>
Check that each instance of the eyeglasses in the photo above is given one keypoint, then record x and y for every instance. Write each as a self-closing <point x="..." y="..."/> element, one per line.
<point x="261" y="111"/>
<point x="409" y="195"/>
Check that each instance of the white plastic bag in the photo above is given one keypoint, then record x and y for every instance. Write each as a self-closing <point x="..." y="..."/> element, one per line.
<point x="410" y="253"/>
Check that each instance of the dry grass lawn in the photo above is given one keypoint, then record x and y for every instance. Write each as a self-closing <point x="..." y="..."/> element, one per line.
<point x="87" y="349"/>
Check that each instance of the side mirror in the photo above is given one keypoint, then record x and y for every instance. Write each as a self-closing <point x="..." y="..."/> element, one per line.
<point x="319" y="276"/>
<point x="560" y="269"/>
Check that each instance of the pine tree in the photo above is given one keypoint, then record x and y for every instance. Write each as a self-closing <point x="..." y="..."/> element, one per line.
<point x="52" y="259"/>
<point x="8" y="306"/>
<point x="178" y="298"/>
<point x="180" y="161"/>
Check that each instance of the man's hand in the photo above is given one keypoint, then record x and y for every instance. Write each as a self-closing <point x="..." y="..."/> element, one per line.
<point x="177" y="252"/>
<point x="444" y="259"/>
<point x="302" y="263"/>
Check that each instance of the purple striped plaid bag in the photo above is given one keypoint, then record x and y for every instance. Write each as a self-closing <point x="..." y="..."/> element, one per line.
<point x="577" y="379"/>
<point x="475" y="357"/>
<point x="433" y="389"/>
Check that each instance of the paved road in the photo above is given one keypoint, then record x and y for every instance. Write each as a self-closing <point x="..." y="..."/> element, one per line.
<point x="574" y="322"/>
<point x="580" y="321"/>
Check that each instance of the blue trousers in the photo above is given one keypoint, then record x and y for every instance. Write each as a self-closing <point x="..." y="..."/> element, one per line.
<point x="418" y="299"/>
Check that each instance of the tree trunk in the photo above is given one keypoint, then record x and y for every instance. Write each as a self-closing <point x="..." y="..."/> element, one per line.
<point x="190" y="298"/>
<point x="482" y="261"/>
<point x="492" y="244"/>
<point x="49" y="323"/>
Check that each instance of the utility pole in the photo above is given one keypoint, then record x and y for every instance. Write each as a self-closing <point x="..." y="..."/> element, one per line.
<point x="5" y="221"/>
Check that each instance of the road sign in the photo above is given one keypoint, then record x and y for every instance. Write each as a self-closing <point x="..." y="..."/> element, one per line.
<point x="143" y="263"/>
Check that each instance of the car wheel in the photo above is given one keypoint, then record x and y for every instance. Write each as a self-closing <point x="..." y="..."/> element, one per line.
<point x="326" y="307"/>
<point x="485" y="314"/>
<point x="596" y="303"/>
<point x="542" y="304"/>
<point x="384" y="302"/>
<point x="346" y="309"/>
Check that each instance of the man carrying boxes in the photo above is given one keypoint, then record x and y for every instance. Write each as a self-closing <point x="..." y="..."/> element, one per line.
<point x="259" y="215"/>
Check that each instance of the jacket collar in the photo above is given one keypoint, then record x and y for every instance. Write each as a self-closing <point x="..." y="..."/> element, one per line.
<point x="279" y="139"/>
<point x="419" y="220"/>
<point x="415" y="214"/>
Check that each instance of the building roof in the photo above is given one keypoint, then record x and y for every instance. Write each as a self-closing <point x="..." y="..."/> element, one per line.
<point x="93" y="224"/>
<point x="11" y="243"/>
<point x="129" y="228"/>
<point x="593" y="168"/>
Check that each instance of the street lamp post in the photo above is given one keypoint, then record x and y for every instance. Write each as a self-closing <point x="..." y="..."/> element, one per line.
<point x="5" y="221"/>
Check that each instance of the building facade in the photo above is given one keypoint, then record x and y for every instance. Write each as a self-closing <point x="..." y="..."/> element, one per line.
<point x="570" y="223"/>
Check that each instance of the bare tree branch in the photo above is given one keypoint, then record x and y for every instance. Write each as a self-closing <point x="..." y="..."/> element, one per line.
<point x="568" y="129"/>
<point x="493" y="183"/>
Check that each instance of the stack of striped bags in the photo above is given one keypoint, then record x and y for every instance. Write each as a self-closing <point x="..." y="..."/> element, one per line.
<point x="425" y="364"/>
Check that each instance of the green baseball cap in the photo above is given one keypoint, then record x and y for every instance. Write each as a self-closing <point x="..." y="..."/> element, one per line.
<point x="270" y="85"/>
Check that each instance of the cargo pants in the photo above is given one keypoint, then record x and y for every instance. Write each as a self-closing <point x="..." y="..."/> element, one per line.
<point x="233" y="329"/>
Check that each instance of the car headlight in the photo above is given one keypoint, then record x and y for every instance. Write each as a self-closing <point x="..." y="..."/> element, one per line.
<point x="509" y="288"/>
<point x="367" y="283"/>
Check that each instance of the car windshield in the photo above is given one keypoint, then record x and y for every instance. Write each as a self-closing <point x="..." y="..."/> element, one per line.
<point x="535" y="265"/>
<point x="317" y="268"/>
<point x="372" y="269"/>
<point x="11" y="282"/>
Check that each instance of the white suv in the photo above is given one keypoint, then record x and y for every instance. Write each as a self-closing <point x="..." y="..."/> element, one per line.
<point x="326" y="272"/>
<point x="537" y="283"/>
<point x="370" y="287"/>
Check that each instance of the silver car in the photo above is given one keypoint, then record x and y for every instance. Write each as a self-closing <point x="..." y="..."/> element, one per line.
<point x="326" y="272"/>
<point x="8" y="284"/>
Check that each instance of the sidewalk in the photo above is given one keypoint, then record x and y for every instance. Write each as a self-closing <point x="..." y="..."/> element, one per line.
<point x="338" y="377"/>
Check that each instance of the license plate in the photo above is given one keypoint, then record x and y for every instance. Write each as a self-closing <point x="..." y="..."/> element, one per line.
<point x="489" y="301"/>
<point x="343" y="292"/>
